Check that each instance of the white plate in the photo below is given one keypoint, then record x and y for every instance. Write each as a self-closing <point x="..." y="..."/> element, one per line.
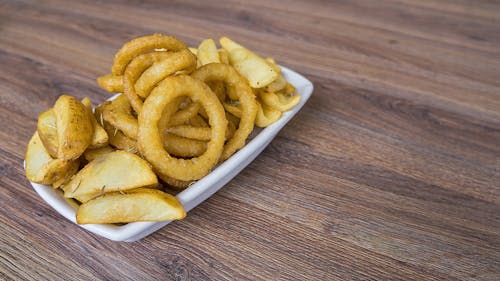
<point x="196" y="193"/>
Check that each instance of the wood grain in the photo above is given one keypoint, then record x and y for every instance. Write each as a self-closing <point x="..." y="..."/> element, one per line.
<point x="391" y="171"/>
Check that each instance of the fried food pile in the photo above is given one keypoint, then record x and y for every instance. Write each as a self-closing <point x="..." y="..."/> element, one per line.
<point x="182" y="111"/>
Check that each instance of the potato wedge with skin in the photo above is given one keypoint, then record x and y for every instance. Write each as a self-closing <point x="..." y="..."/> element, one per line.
<point x="74" y="127"/>
<point x="115" y="171"/>
<point x="87" y="197"/>
<point x="254" y="68"/>
<point x="137" y="205"/>
<point x="100" y="137"/>
<point x="92" y="153"/>
<point x="71" y="171"/>
<point x="41" y="167"/>
<point x="207" y="52"/>
<point x="47" y="131"/>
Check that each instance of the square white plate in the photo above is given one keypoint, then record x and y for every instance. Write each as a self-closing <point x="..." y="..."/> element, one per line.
<point x="196" y="193"/>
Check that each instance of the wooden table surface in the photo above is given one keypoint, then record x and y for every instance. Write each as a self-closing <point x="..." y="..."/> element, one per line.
<point x="390" y="171"/>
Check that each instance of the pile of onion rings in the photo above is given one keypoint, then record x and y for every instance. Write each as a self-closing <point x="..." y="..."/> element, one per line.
<point x="185" y="110"/>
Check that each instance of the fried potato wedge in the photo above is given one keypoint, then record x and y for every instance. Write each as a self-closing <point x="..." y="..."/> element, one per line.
<point x="224" y="56"/>
<point x="88" y="197"/>
<point x="274" y="65"/>
<point x="47" y="131"/>
<point x="72" y="169"/>
<point x="91" y="154"/>
<point x="74" y="127"/>
<point x="193" y="50"/>
<point x="277" y="85"/>
<point x="100" y="137"/>
<point x="42" y="168"/>
<point x="136" y="205"/>
<point x="207" y="52"/>
<point x="258" y="71"/>
<point x="115" y="171"/>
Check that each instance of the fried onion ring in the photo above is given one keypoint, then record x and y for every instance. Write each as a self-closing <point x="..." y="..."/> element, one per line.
<point x="197" y="133"/>
<point x="232" y="124"/>
<point x="200" y="131"/>
<point x="289" y="89"/>
<point x="198" y="121"/>
<point x="279" y="101"/>
<point x="233" y="109"/>
<point x="119" y="114"/>
<point x="175" y="145"/>
<point x="183" y="147"/>
<point x="226" y="73"/>
<point x="134" y="71"/>
<point x="182" y="60"/>
<point x="142" y="45"/>
<point x="117" y="139"/>
<point x="111" y="83"/>
<point x="218" y="88"/>
<point x="184" y="115"/>
<point x="266" y="115"/>
<point x="230" y="92"/>
<point x="176" y="184"/>
<point x="191" y="132"/>
<point x="167" y="113"/>
<point x="150" y="141"/>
